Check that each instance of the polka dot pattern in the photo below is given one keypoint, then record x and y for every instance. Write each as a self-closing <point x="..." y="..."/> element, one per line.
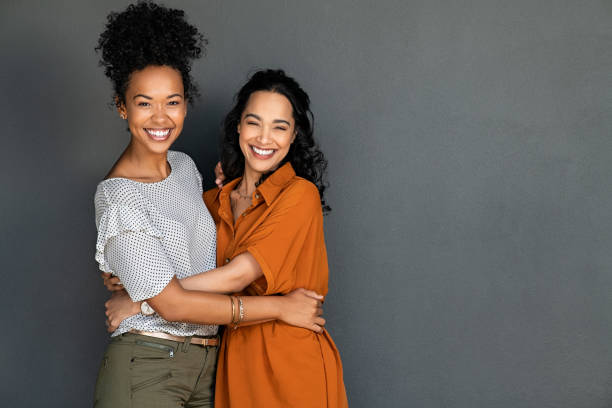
<point x="150" y="232"/>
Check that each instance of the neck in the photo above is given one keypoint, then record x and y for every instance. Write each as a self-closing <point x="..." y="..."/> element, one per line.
<point x="249" y="181"/>
<point x="147" y="161"/>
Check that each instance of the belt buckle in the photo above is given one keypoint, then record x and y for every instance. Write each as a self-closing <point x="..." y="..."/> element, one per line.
<point x="206" y="342"/>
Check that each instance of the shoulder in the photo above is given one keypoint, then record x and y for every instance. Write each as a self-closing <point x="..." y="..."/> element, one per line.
<point x="120" y="202"/>
<point x="179" y="159"/>
<point x="119" y="191"/>
<point x="301" y="193"/>
<point x="302" y="186"/>
<point x="183" y="164"/>
<point x="211" y="196"/>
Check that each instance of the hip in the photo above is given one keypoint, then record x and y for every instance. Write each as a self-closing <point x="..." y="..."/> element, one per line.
<point x="141" y="371"/>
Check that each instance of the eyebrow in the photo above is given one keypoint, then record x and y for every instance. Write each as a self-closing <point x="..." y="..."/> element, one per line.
<point x="274" y="121"/>
<point x="149" y="98"/>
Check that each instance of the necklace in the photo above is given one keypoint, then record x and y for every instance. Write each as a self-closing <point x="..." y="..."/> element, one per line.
<point x="243" y="196"/>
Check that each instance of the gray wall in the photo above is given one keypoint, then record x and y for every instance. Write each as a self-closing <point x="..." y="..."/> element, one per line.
<point x="470" y="163"/>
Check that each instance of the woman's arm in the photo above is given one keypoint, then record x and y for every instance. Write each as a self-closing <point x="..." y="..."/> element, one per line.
<point x="175" y="303"/>
<point x="300" y="308"/>
<point x="230" y="278"/>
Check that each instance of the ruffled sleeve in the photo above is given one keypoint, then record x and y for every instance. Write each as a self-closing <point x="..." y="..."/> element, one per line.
<point x="129" y="244"/>
<point x="115" y="220"/>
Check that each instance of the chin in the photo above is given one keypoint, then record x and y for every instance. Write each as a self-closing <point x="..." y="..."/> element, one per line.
<point x="159" y="148"/>
<point x="263" y="168"/>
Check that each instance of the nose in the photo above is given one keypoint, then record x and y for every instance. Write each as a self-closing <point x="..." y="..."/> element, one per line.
<point x="159" y="113"/>
<point x="264" y="136"/>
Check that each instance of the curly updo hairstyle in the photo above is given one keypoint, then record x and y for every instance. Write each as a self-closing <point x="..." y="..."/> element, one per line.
<point x="304" y="154"/>
<point x="148" y="34"/>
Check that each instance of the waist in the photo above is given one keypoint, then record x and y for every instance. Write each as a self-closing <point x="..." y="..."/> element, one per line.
<point x="199" y="340"/>
<point x="271" y="331"/>
<point x="156" y="324"/>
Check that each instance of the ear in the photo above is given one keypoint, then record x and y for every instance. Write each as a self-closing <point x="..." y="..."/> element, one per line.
<point x="238" y="128"/>
<point x="293" y="137"/>
<point x="121" y="108"/>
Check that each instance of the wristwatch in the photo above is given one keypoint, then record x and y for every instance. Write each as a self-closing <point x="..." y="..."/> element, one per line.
<point x="146" y="310"/>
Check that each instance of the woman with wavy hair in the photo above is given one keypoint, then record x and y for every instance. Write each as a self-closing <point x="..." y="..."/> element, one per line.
<point x="271" y="213"/>
<point x="155" y="233"/>
<point x="273" y="210"/>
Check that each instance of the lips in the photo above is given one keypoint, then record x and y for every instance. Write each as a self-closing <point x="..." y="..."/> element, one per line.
<point x="262" y="153"/>
<point x="159" y="134"/>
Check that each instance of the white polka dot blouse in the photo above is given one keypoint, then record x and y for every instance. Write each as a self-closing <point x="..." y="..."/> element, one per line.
<point x="150" y="232"/>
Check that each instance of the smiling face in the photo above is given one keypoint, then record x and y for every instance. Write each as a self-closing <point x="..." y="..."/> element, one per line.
<point x="266" y="131"/>
<point x="155" y="108"/>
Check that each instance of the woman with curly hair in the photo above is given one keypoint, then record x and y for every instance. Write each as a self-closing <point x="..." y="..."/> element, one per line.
<point x="272" y="212"/>
<point x="154" y="229"/>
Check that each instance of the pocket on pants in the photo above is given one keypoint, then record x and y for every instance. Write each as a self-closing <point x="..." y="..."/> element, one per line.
<point x="150" y="365"/>
<point x="148" y="350"/>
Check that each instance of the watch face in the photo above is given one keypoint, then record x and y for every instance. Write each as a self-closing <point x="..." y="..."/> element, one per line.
<point x="145" y="309"/>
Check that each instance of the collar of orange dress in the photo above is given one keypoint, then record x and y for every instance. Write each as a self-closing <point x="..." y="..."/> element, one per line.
<point x="271" y="187"/>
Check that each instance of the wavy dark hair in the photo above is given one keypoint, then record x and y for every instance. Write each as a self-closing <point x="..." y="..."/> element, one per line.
<point x="147" y="34"/>
<point x="304" y="154"/>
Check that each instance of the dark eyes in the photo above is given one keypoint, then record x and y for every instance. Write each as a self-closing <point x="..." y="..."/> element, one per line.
<point x="171" y="103"/>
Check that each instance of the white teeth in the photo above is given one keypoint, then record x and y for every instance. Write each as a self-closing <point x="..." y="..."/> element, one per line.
<point x="158" y="133"/>
<point x="262" y="152"/>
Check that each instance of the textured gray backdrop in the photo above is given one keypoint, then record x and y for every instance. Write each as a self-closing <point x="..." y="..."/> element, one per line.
<point x="470" y="151"/>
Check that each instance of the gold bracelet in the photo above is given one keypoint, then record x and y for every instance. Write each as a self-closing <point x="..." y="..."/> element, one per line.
<point x="240" y="313"/>
<point x="233" y="310"/>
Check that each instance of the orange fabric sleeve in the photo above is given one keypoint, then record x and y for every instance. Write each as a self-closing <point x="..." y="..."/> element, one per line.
<point x="277" y="243"/>
<point x="211" y="199"/>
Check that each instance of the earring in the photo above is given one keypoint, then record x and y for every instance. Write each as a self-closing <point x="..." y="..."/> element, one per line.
<point x="123" y="116"/>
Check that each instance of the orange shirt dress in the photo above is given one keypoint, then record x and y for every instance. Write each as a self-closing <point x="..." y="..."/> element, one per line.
<point x="273" y="364"/>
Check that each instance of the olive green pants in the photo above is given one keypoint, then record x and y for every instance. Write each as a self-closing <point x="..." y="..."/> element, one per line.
<point x="142" y="371"/>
